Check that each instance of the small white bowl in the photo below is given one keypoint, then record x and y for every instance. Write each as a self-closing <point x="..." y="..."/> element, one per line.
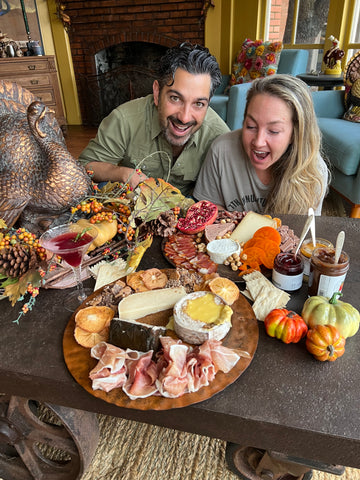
<point x="220" y="250"/>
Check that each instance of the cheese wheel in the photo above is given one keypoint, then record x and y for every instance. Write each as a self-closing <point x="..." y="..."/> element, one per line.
<point x="201" y="316"/>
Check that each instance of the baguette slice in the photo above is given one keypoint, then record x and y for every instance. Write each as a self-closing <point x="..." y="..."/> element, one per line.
<point x="139" y="305"/>
<point x="249" y="225"/>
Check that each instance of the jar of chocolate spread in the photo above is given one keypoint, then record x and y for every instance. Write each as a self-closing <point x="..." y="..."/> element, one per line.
<point x="327" y="277"/>
<point x="288" y="271"/>
<point x="307" y="249"/>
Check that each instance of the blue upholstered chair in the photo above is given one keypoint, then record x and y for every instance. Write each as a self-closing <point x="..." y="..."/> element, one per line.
<point x="231" y="107"/>
<point x="341" y="144"/>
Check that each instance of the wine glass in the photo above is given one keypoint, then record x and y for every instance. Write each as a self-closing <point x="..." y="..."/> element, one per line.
<point x="70" y="242"/>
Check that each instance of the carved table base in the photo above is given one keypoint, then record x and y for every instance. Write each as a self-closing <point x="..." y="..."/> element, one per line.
<point x="252" y="463"/>
<point x="42" y="441"/>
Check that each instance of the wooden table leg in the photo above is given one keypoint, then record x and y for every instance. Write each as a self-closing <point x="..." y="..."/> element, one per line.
<point x="44" y="441"/>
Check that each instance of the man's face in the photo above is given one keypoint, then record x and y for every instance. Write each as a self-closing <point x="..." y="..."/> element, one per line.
<point x="182" y="106"/>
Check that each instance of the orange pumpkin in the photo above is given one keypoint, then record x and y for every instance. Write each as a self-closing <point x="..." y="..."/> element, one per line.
<point x="324" y="342"/>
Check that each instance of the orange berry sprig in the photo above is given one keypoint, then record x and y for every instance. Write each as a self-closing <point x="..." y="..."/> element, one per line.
<point x="88" y="206"/>
<point x="103" y="216"/>
<point x="23" y="237"/>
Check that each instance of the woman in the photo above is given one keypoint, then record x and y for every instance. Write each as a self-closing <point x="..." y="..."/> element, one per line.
<point x="273" y="164"/>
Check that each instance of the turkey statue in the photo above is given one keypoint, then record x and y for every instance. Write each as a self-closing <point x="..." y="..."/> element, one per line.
<point x="39" y="178"/>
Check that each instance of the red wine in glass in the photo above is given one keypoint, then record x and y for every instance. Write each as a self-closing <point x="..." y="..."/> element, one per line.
<point x="70" y="242"/>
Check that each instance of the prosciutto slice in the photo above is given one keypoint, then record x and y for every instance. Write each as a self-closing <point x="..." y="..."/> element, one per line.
<point x="172" y="380"/>
<point x="142" y="373"/>
<point x="178" y="368"/>
<point x="110" y="372"/>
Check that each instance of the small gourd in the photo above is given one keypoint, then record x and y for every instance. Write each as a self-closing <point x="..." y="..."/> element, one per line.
<point x="320" y="310"/>
<point x="106" y="231"/>
<point x="285" y="325"/>
<point x="325" y="343"/>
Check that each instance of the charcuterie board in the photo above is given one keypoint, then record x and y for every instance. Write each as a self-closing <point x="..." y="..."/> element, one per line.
<point x="242" y="337"/>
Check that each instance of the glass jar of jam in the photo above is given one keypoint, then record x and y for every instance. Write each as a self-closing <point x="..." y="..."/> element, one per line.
<point x="288" y="271"/>
<point x="327" y="277"/>
<point x="307" y="249"/>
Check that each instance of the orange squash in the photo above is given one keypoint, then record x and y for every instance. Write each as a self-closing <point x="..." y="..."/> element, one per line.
<point x="325" y="343"/>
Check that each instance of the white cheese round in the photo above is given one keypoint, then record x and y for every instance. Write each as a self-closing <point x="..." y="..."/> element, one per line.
<point x="201" y="316"/>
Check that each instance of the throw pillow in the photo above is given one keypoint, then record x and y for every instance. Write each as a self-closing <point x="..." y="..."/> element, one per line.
<point x="255" y="59"/>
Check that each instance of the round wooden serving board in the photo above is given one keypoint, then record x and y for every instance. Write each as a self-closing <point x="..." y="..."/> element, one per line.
<point x="243" y="336"/>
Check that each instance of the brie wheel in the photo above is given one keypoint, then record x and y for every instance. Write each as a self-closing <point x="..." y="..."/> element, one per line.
<point x="201" y="316"/>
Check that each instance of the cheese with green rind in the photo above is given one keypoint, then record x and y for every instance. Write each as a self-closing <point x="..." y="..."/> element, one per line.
<point x="139" y="305"/>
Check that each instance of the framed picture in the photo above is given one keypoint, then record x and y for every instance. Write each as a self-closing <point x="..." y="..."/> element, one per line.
<point x="19" y="23"/>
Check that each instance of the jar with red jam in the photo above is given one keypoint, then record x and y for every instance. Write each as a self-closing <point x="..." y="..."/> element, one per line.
<point x="288" y="271"/>
<point x="307" y="249"/>
<point x="327" y="277"/>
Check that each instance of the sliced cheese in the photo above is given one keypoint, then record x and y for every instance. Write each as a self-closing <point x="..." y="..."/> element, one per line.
<point x="139" y="305"/>
<point x="249" y="225"/>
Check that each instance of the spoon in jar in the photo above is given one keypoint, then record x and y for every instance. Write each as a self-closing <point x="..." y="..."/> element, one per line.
<point x="312" y="227"/>
<point x="304" y="233"/>
<point x="339" y="245"/>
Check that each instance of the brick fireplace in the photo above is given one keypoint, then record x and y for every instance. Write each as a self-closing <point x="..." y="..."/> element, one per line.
<point x="116" y="44"/>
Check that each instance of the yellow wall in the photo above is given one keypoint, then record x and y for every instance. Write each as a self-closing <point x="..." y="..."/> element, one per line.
<point x="56" y="42"/>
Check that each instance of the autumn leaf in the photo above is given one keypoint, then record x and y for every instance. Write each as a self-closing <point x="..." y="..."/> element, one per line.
<point x="16" y="290"/>
<point x="136" y="255"/>
<point x="156" y="196"/>
<point x="2" y="224"/>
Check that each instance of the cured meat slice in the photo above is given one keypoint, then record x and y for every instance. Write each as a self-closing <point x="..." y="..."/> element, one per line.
<point x="110" y="371"/>
<point x="142" y="373"/>
<point x="181" y="250"/>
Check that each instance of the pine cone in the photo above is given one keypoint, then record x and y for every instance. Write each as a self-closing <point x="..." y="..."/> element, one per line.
<point x="164" y="225"/>
<point x="17" y="260"/>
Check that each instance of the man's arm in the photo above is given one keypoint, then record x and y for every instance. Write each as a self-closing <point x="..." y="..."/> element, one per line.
<point x="104" y="172"/>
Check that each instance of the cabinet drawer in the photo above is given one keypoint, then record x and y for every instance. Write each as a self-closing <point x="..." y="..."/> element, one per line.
<point x="45" y="96"/>
<point x="24" y="66"/>
<point x="32" y="81"/>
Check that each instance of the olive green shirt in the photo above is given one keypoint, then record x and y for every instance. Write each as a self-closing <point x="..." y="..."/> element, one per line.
<point x="131" y="136"/>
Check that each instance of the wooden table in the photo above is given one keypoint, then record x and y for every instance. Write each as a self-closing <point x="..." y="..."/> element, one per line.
<point x="328" y="82"/>
<point x="285" y="401"/>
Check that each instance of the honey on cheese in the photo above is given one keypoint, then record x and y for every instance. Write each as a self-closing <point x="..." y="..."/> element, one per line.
<point x="205" y="309"/>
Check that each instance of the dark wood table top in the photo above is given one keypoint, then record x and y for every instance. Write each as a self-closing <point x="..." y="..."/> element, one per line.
<point x="285" y="401"/>
<point x="322" y="80"/>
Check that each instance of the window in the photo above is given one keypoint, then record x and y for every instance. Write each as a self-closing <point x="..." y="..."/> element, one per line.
<point x="308" y="24"/>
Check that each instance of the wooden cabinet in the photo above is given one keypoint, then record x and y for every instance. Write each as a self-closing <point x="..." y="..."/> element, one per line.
<point x="37" y="74"/>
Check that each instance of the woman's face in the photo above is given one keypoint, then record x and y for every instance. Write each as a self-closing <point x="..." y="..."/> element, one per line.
<point x="267" y="132"/>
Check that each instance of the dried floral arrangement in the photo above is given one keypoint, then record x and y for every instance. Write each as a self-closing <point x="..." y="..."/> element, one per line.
<point x="127" y="220"/>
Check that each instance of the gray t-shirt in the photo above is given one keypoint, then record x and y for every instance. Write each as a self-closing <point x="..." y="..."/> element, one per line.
<point x="227" y="177"/>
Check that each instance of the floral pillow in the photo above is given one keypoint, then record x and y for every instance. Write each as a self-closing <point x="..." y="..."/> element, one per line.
<point x="255" y="59"/>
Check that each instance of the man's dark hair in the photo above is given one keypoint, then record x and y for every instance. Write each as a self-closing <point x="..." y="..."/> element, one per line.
<point x="195" y="59"/>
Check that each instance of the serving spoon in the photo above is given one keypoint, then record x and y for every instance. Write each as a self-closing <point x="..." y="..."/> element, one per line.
<point x="312" y="227"/>
<point x="339" y="245"/>
<point x="304" y="233"/>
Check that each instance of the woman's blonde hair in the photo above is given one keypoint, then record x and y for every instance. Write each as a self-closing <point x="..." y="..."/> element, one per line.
<point x="297" y="181"/>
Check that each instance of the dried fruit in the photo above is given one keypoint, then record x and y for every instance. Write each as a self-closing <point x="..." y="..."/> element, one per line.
<point x="90" y="339"/>
<point x="225" y="289"/>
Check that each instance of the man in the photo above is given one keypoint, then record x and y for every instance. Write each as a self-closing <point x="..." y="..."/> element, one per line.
<point x="166" y="134"/>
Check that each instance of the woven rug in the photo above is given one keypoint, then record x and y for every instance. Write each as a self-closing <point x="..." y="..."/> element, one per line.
<point x="129" y="450"/>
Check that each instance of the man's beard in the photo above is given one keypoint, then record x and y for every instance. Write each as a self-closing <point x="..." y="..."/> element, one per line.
<point x="172" y="138"/>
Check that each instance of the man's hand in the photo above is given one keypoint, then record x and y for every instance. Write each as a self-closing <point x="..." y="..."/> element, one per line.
<point x="107" y="172"/>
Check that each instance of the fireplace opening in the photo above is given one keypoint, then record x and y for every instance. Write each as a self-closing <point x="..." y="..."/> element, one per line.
<point x="123" y="72"/>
